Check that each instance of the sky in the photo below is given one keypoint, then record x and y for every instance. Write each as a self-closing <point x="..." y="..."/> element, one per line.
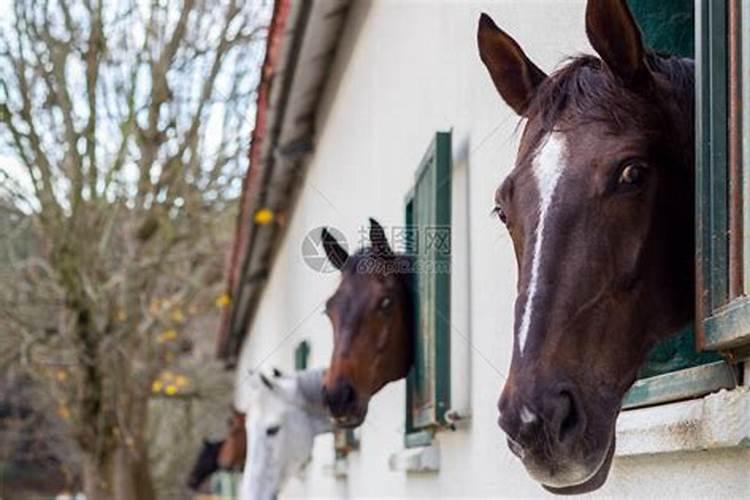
<point x="11" y="165"/>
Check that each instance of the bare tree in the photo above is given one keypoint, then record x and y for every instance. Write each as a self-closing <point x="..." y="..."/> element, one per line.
<point x="129" y="120"/>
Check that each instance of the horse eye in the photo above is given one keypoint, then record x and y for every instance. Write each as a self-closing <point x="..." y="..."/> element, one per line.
<point x="632" y="175"/>
<point x="498" y="210"/>
<point x="273" y="430"/>
<point x="385" y="303"/>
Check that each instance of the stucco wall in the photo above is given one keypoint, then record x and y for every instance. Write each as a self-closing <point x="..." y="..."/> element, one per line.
<point x="406" y="70"/>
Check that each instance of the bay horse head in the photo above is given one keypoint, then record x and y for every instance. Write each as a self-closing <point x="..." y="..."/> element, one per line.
<point x="205" y="464"/>
<point x="226" y="454"/>
<point x="371" y="314"/>
<point x="284" y="415"/>
<point x="232" y="452"/>
<point x="599" y="207"/>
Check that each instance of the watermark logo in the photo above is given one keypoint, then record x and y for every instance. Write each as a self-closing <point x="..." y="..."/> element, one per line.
<point x="419" y="250"/>
<point x="313" y="252"/>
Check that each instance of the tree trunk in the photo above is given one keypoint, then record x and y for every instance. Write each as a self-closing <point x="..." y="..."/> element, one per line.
<point x="95" y="478"/>
<point x="132" y="475"/>
<point x="124" y="476"/>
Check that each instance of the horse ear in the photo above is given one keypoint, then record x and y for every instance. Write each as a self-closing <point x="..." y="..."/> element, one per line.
<point x="266" y="382"/>
<point x="335" y="252"/>
<point x="615" y="36"/>
<point x="378" y="240"/>
<point x="514" y="75"/>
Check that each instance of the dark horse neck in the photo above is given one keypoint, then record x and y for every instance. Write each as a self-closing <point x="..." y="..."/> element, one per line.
<point x="408" y="281"/>
<point x="679" y="226"/>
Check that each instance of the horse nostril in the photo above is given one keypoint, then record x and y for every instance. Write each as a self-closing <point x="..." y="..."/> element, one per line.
<point x="341" y="398"/>
<point x="349" y="395"/>
<point x="568" y="421"/>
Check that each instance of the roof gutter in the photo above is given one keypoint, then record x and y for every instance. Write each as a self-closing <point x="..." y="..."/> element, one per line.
<point x="242" y="247"/>
<point x="241" y="316"/>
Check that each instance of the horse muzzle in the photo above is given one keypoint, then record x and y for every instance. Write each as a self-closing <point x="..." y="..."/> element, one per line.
<point x="348" y="422"/>
<point x="565" y="470"/>
<point x="551" y="435"/>
<point x="347" y="409"/>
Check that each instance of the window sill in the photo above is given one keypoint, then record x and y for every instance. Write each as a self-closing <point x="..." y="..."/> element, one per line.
<point x="418" y="459"/>
<point x="339" y="469"/>
<point x="720" y="420"/>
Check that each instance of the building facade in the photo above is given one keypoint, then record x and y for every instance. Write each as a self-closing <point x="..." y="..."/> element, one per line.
<point x="396" y="74"/>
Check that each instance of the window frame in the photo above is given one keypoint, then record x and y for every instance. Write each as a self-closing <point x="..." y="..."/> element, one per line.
<point x="724" y="305"/>
<point x="436" y="162"/>
<point x="722" y="309"/>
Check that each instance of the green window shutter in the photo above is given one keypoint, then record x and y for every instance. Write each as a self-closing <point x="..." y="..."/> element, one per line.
<point x="301" y="355"/>
<point x="428" y="218"/>
<point x="726" y="315"/>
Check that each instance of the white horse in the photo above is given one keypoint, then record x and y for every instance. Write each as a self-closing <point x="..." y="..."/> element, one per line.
<point x="284" y="414"/>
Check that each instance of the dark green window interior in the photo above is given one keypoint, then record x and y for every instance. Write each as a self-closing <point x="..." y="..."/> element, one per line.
<point x="301" y="355"/>
<point x="428" y="218"/>
<point x="667" y="25"/>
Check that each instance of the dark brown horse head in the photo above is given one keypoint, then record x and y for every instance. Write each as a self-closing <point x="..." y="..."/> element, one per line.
<point x="227" y="454"/>
<point x="371" y="313"/>
<point x="232" y="452"/>
<point x="599" y="206"/>
<point x="205" y="464"/>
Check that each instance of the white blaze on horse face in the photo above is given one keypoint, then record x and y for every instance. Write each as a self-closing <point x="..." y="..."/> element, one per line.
<point x="547" y="167"/>
<point x="527" y="416"/>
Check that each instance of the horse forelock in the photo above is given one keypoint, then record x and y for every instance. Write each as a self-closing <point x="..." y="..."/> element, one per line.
<point x="583" y="88"/>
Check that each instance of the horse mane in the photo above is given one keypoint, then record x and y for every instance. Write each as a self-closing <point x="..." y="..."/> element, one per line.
<point x="398" y="264"/>
<point x="585" y="86"/>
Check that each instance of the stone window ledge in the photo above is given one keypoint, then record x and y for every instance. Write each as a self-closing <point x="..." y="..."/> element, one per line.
<point x="719" y="420"/>
<point x="419" y="459"/>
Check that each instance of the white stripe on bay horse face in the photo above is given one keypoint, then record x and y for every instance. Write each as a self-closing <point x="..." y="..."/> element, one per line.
<point x="547" y="167"/>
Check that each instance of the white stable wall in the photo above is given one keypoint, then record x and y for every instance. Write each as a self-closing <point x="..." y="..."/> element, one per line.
<point x="405" y="70"/>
